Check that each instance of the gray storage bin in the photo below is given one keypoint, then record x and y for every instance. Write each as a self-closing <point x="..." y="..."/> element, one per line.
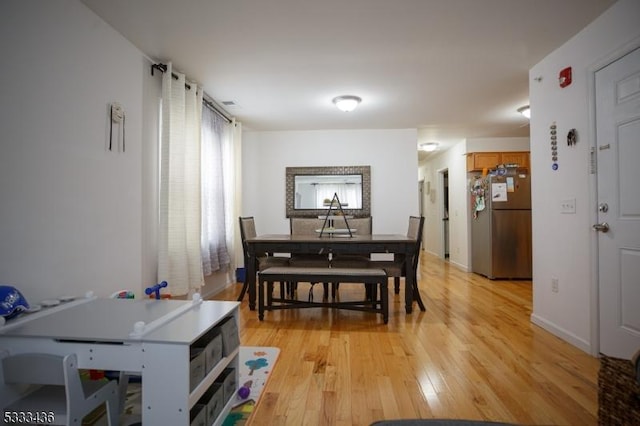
<point x="228" y="381"/>
<point x="198" y="415"/>
<point x="214" y="400"/>
<point x="213" y="353"/>
<point x="230" y="336"/>
<point x="196" y="367"/>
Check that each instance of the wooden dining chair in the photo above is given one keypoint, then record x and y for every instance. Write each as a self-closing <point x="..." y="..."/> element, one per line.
<point x="263" y="260"/>
<point x="396" y="268"/>
<point x="63" y="398"/>
<point x="359" y="226"/>
<point x="308" y="226"/>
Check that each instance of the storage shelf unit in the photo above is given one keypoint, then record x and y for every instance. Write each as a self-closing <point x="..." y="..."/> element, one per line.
<point x="156" y="339"/>
<point x="179" y="368"/>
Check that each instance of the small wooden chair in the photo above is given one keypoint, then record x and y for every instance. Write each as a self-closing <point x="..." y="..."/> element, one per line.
<point x="63" y="397"/>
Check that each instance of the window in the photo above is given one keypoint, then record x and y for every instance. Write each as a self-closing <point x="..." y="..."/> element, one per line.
<point x="215" y="137"/>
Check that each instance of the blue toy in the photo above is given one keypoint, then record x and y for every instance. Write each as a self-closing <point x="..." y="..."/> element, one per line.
<point x="155" y="289"/>
<point x="12" y="302"/>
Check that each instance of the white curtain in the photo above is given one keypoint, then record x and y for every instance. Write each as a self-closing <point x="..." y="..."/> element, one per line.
<point x="216" y="165"/>
<point x="179" y="258"/>
<point x="233" y="193"/>
<point x="350" y="195"/>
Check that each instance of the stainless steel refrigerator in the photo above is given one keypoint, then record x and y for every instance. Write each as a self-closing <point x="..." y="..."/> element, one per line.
<point x="501" y="226"/>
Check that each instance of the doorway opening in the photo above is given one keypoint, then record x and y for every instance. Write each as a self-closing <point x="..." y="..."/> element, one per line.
<point x="444" y="210"/>
<point x="421" y="197"/>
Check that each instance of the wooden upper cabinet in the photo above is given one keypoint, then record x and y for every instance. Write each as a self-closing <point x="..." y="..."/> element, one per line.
<point x="519" y="158"/>
<point x="477" y="161"/>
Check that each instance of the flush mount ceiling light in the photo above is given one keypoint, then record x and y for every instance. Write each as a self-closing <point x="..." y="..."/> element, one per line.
<point x="525" y="110"/>
<point x="429" y="146"/>
<point x="347" y="103"/>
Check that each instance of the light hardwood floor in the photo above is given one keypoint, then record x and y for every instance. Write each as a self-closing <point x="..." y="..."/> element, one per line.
<point x="474" y="354"/>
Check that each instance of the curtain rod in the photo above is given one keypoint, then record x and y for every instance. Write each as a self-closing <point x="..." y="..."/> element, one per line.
<point x="212" y="106"/>
<point x="209" y="104"/>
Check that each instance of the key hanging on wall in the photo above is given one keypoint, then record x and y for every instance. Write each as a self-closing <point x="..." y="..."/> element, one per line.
<point x="572" y="137"/>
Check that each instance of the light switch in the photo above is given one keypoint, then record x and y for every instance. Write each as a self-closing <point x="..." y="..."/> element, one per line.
<point x="568" y="206"/>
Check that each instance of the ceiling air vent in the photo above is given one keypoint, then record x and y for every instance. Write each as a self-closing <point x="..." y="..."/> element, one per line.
<point x="229" y="103"/>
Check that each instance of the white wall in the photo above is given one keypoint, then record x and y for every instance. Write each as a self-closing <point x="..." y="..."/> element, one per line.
<point x="454" y="160"/>
<point x="497" y="144"/>
<point x="390" y="153"/>
<point x="563" y="245"/>
<point x="71" y="210"/>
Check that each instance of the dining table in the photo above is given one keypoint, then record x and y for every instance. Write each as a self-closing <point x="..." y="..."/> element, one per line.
<point x="331" y="244"/>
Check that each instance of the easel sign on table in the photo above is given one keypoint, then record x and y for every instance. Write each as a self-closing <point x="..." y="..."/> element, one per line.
<point x="329" y="218"/>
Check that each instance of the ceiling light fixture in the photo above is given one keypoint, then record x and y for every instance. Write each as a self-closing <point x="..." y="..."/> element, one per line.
<point x="526" y="111"/>
<point x="347" y="103"/>
<point x="429" y="146"/>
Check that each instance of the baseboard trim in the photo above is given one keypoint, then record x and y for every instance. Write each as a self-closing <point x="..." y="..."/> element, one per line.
<point x="561" y="333"/>
<point x="459" y="266"/>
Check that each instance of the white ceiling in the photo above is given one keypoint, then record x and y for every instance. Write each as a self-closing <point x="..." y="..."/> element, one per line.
<point x="453" y="69"/>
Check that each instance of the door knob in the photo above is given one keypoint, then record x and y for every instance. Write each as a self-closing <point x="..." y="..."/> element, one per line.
<point x="602" y="227"/>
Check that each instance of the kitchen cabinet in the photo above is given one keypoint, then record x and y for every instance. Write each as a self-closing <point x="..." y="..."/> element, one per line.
<point x="519" y="158"/>
<point x="477" y="161"/>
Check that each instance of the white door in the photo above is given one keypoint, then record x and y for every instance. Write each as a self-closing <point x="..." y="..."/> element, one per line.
<point x="618" y="171"/>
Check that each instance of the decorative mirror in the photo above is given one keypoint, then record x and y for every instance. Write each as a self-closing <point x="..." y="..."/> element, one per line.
<point x="309" y="190"/>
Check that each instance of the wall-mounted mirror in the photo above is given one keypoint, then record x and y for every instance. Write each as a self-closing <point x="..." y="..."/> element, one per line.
<point x="309" y="190"/>
<point x="316" y="192"/>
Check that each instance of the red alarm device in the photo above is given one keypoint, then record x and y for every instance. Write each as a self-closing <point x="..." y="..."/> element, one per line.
<point x="565" y="77"/>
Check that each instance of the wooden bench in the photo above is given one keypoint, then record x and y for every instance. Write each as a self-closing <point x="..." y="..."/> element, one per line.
<point x="372" y="278"/>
